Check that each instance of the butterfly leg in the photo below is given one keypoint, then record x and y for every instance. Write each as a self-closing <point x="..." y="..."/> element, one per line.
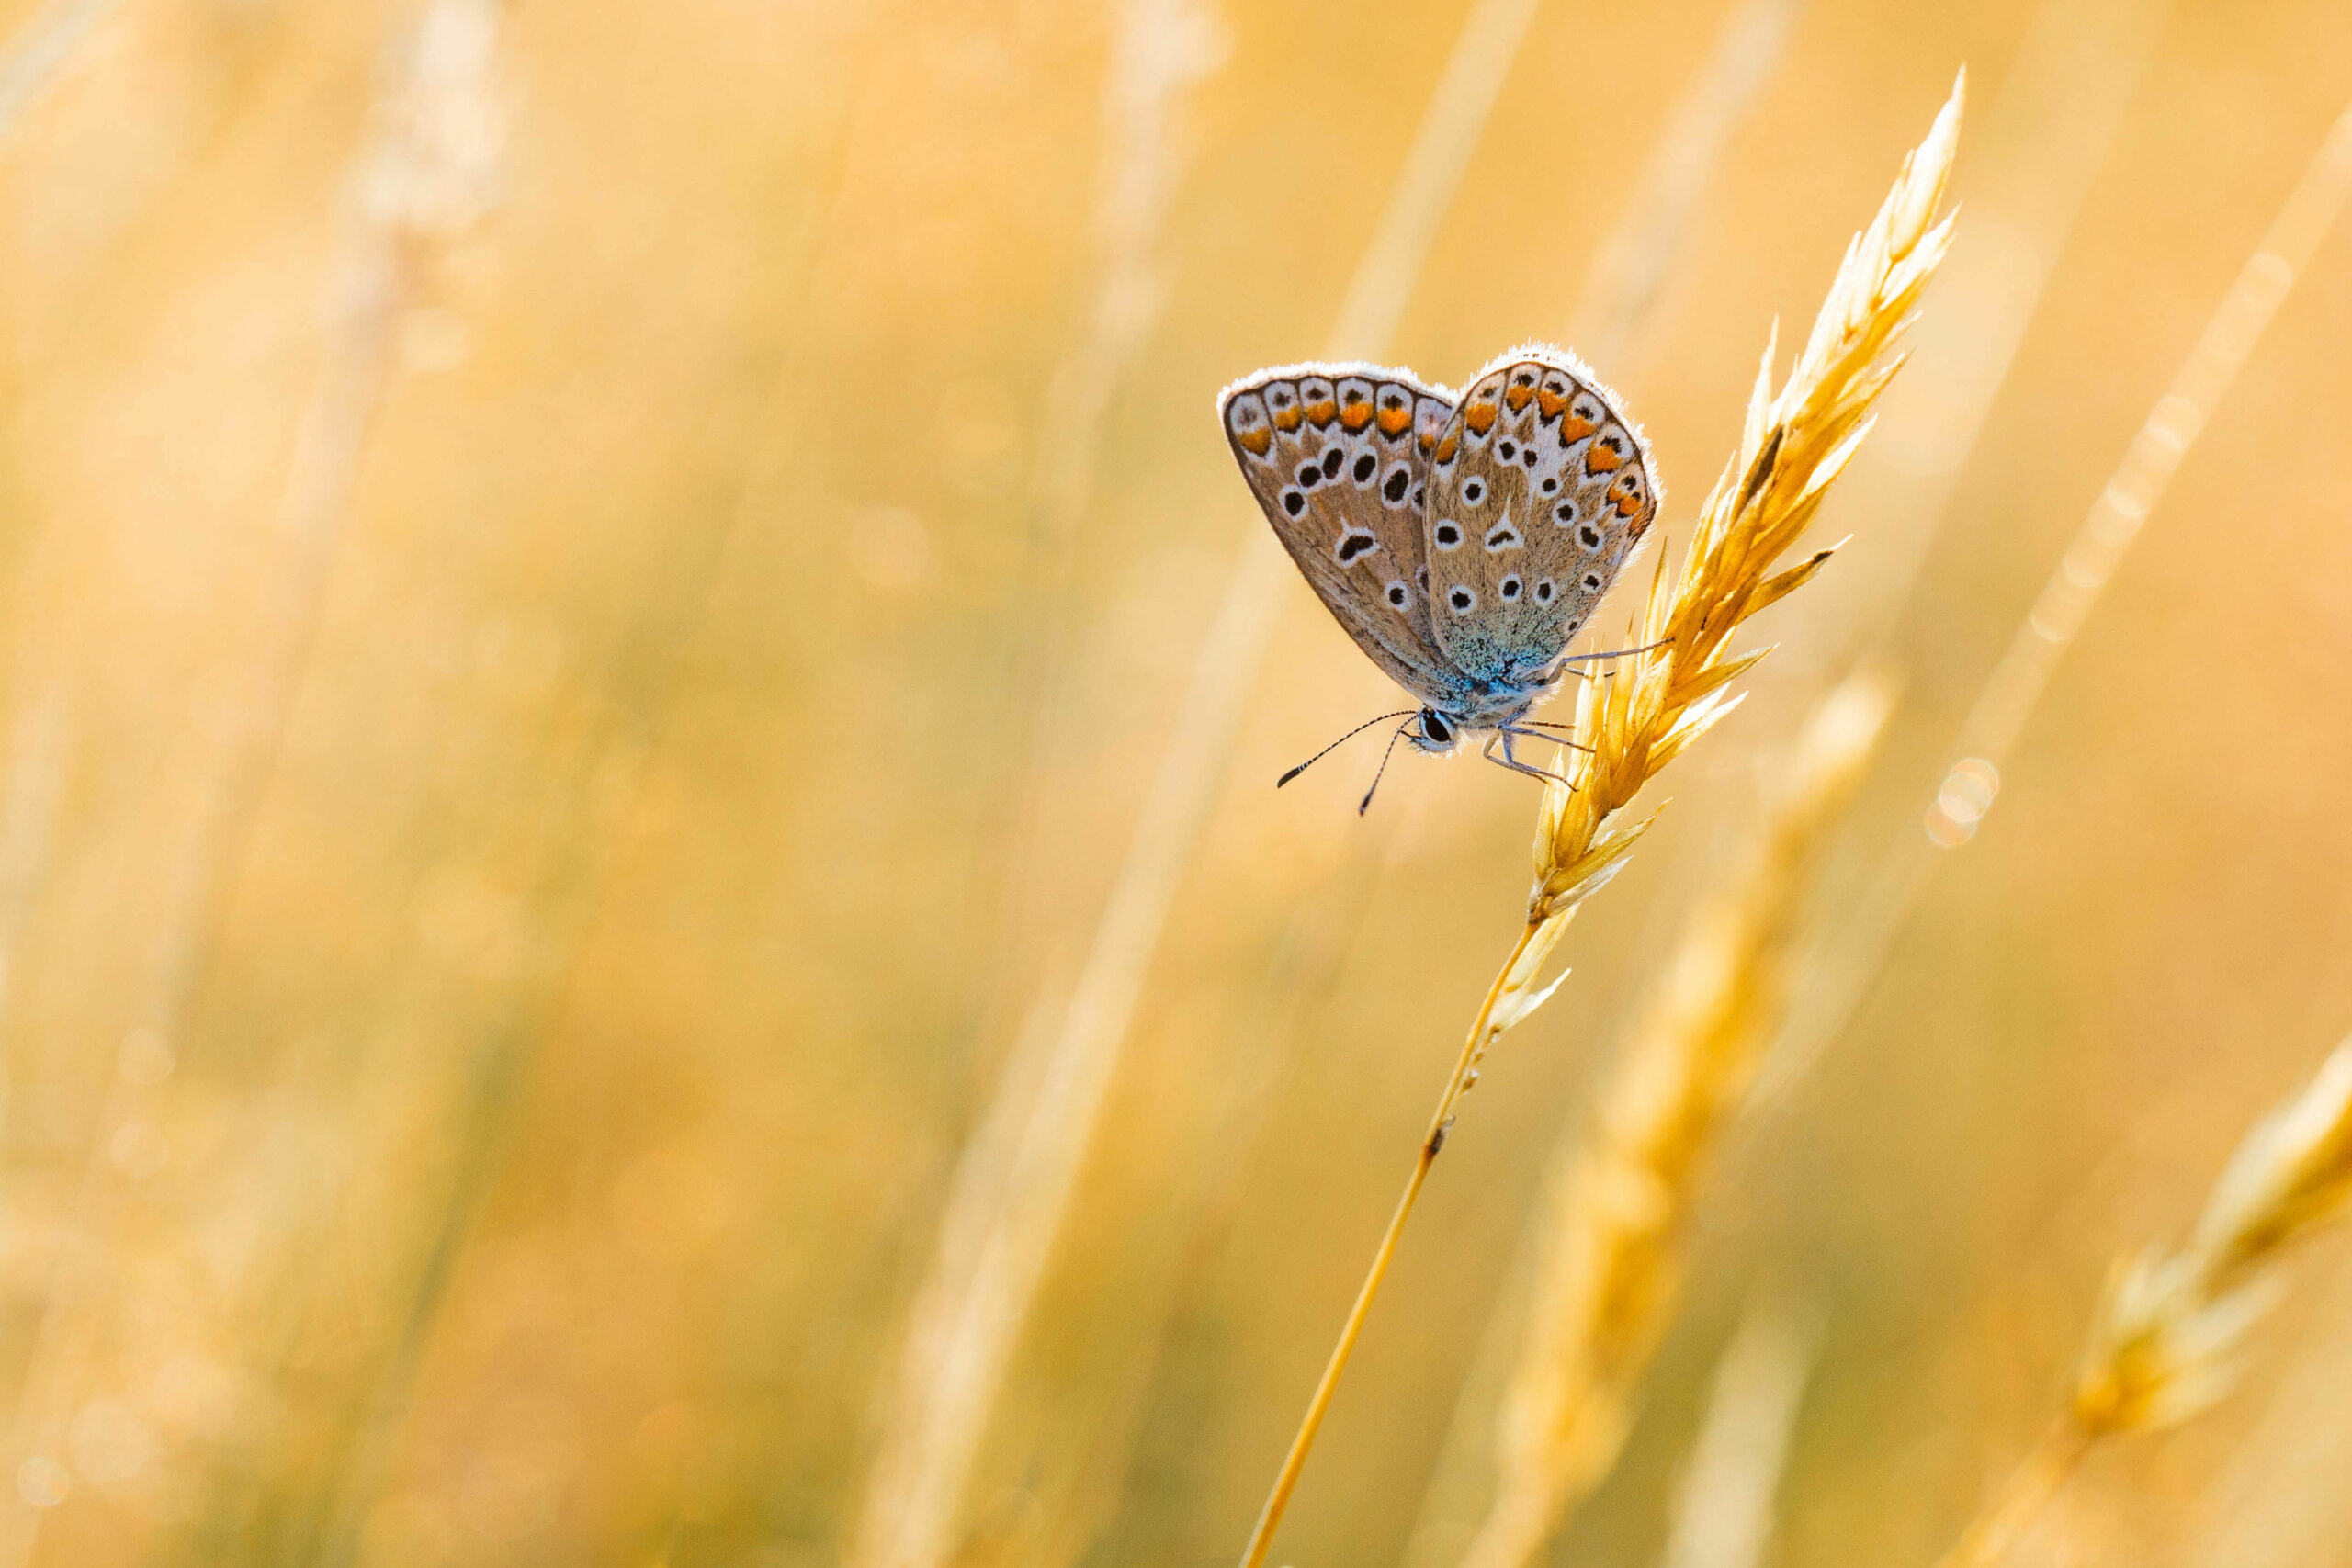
<point x="1555" y="739"/>
<point x="1507" y="761"/>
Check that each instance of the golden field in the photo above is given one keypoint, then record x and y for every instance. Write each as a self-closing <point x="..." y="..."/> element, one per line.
<point x="642" y="914"/>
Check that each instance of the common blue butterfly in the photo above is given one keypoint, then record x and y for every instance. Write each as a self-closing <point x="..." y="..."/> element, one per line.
<point x="1462" y="541"/>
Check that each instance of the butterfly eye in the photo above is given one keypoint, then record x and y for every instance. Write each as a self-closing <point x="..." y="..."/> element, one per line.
<point x="1461" y="601"/>
<point x="1551" y="485"/>
<point x="1566" y="513"/>
<point x="1447" y="535"/>
<point x="1592" y="582"/>
<point x="1588" y="536"/>
<point x="1310" y="475"/>
<point x="1509" y="451"/>
<point x="1398" y="596"/>
<point x="1365" y="467"/>
<point x="1331" y="461"/>
<point x="1474" y="491"/>
<point x="1510" y="589"/>
<point x="1543" y="591"/>
<point x="1354" y="543"/>
<point x="1392" y="489"/>
<point x="1292" y="502"/>
<point x="1502" y="536"/>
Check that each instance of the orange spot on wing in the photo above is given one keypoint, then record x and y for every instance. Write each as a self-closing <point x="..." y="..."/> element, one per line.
<point x="1395" y="421"/>
<point x="1479" y="417"/>
<point x="1627" y="495"/>
<point x="1518" y="398"/>
<point x="1601" y="460"/>
<point x="1573" y="429"/>
<point x="1551" y="402"/>
<point x="1446" y="449"/>
<point x="1354" y="416"/>
<point x="1256" y="442"/>
<point x="1322" y="412"/>
<point x="1286" y="420"/>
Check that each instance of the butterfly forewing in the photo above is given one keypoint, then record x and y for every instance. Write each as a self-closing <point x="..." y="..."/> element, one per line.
<point x="1338" y="456"/>
<point x="1538" y="490"/>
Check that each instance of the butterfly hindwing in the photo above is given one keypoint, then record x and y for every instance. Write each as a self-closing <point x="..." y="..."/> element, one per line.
<point x="1538" y="490"/>
<point x="1338" y="457"/>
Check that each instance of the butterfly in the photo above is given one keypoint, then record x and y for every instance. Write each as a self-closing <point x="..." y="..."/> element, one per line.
<point x="1464" y="540"/>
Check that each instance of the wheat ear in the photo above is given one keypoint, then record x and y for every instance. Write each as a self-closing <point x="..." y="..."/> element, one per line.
<point x="1792" y="447"/>
<point x="2161" y="1347"/>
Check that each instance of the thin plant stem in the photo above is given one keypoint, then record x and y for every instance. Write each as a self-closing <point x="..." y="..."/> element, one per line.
<point x="2023" y="1496"/>
<point x="1270" y="1517"/>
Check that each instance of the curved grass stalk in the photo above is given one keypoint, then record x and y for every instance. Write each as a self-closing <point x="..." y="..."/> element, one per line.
<point x="1791" y="448"/>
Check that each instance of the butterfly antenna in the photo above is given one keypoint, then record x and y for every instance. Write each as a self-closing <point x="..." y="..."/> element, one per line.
<point x="1342" y="741"/>
<point x="1366" y="804"/>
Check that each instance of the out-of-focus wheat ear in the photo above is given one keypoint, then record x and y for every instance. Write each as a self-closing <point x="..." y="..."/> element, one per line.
<point x="2160" y="1350"/>
<point x="2169" y="1326"/>
<point x="1622" y="1192"/>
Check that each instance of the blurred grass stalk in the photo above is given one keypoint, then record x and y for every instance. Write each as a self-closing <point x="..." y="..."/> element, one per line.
<point x="38" y="745"/>
<point x="2007" y="701"/>
<point x="1661" y="700"/>
<point x="1621" y="1197"/>
<point x="1611" y="326"/>
<point x="2033" y="152"/>
<point x="40" y="48"/>
<point x="426" y="175"/>
<point x="1160" y="50"/>
<point x="1725" y="1509"/>
<point x="1008" y="1198"/>
<point x="2161" y="1347"/>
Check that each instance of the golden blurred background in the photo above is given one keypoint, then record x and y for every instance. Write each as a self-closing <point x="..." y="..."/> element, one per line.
<point x="641" y="911"/>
